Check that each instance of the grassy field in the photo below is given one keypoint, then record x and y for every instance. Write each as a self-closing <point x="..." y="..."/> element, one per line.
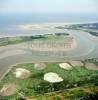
<point x="77" y="83"/>
<point x="15" y="40"/>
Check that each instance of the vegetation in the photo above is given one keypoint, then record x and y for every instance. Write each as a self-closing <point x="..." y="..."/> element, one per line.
<point x="14" y="40"/>
<point x="78" y="82"/>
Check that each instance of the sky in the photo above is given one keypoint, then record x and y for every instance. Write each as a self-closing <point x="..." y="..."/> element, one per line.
<point x="48" y="6"/>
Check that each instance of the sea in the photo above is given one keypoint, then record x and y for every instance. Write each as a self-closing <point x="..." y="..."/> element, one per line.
<point x="10" y="21"/>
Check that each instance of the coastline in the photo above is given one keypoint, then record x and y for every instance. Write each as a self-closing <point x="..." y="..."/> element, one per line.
<point x="46" y="26"/>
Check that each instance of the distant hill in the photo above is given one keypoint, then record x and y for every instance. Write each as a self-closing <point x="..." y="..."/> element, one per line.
<point x="89" y="25"/>
<point x="78" y="26"/>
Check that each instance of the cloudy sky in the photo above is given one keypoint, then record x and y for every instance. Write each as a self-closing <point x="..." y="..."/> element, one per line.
<point x="49" y="6"/>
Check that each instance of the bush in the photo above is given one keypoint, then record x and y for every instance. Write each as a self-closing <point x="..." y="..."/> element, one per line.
<point x="45" y="87"/>
<point x="37" y="75"/>
<point x="42" y="87"/>
<point x="90" y="97"/>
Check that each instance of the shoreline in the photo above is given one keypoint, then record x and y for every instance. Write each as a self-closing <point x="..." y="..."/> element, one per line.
<point x="38" y="27"/>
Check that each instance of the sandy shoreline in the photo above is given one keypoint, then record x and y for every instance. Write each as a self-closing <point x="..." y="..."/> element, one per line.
<point x="11" y="53"/>
<point x="14" y="49"/>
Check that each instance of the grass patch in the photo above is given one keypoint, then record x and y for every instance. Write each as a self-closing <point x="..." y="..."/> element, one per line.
<point x="77" y="77"/>
<point x="14" y="40"/>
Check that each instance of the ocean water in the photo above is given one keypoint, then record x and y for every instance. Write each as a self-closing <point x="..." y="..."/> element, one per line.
<point x="8" y="22"/>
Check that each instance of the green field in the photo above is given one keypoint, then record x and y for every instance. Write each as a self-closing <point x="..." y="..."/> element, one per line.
<point x="77" y="83"/>
<point x="48" y="37"/>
